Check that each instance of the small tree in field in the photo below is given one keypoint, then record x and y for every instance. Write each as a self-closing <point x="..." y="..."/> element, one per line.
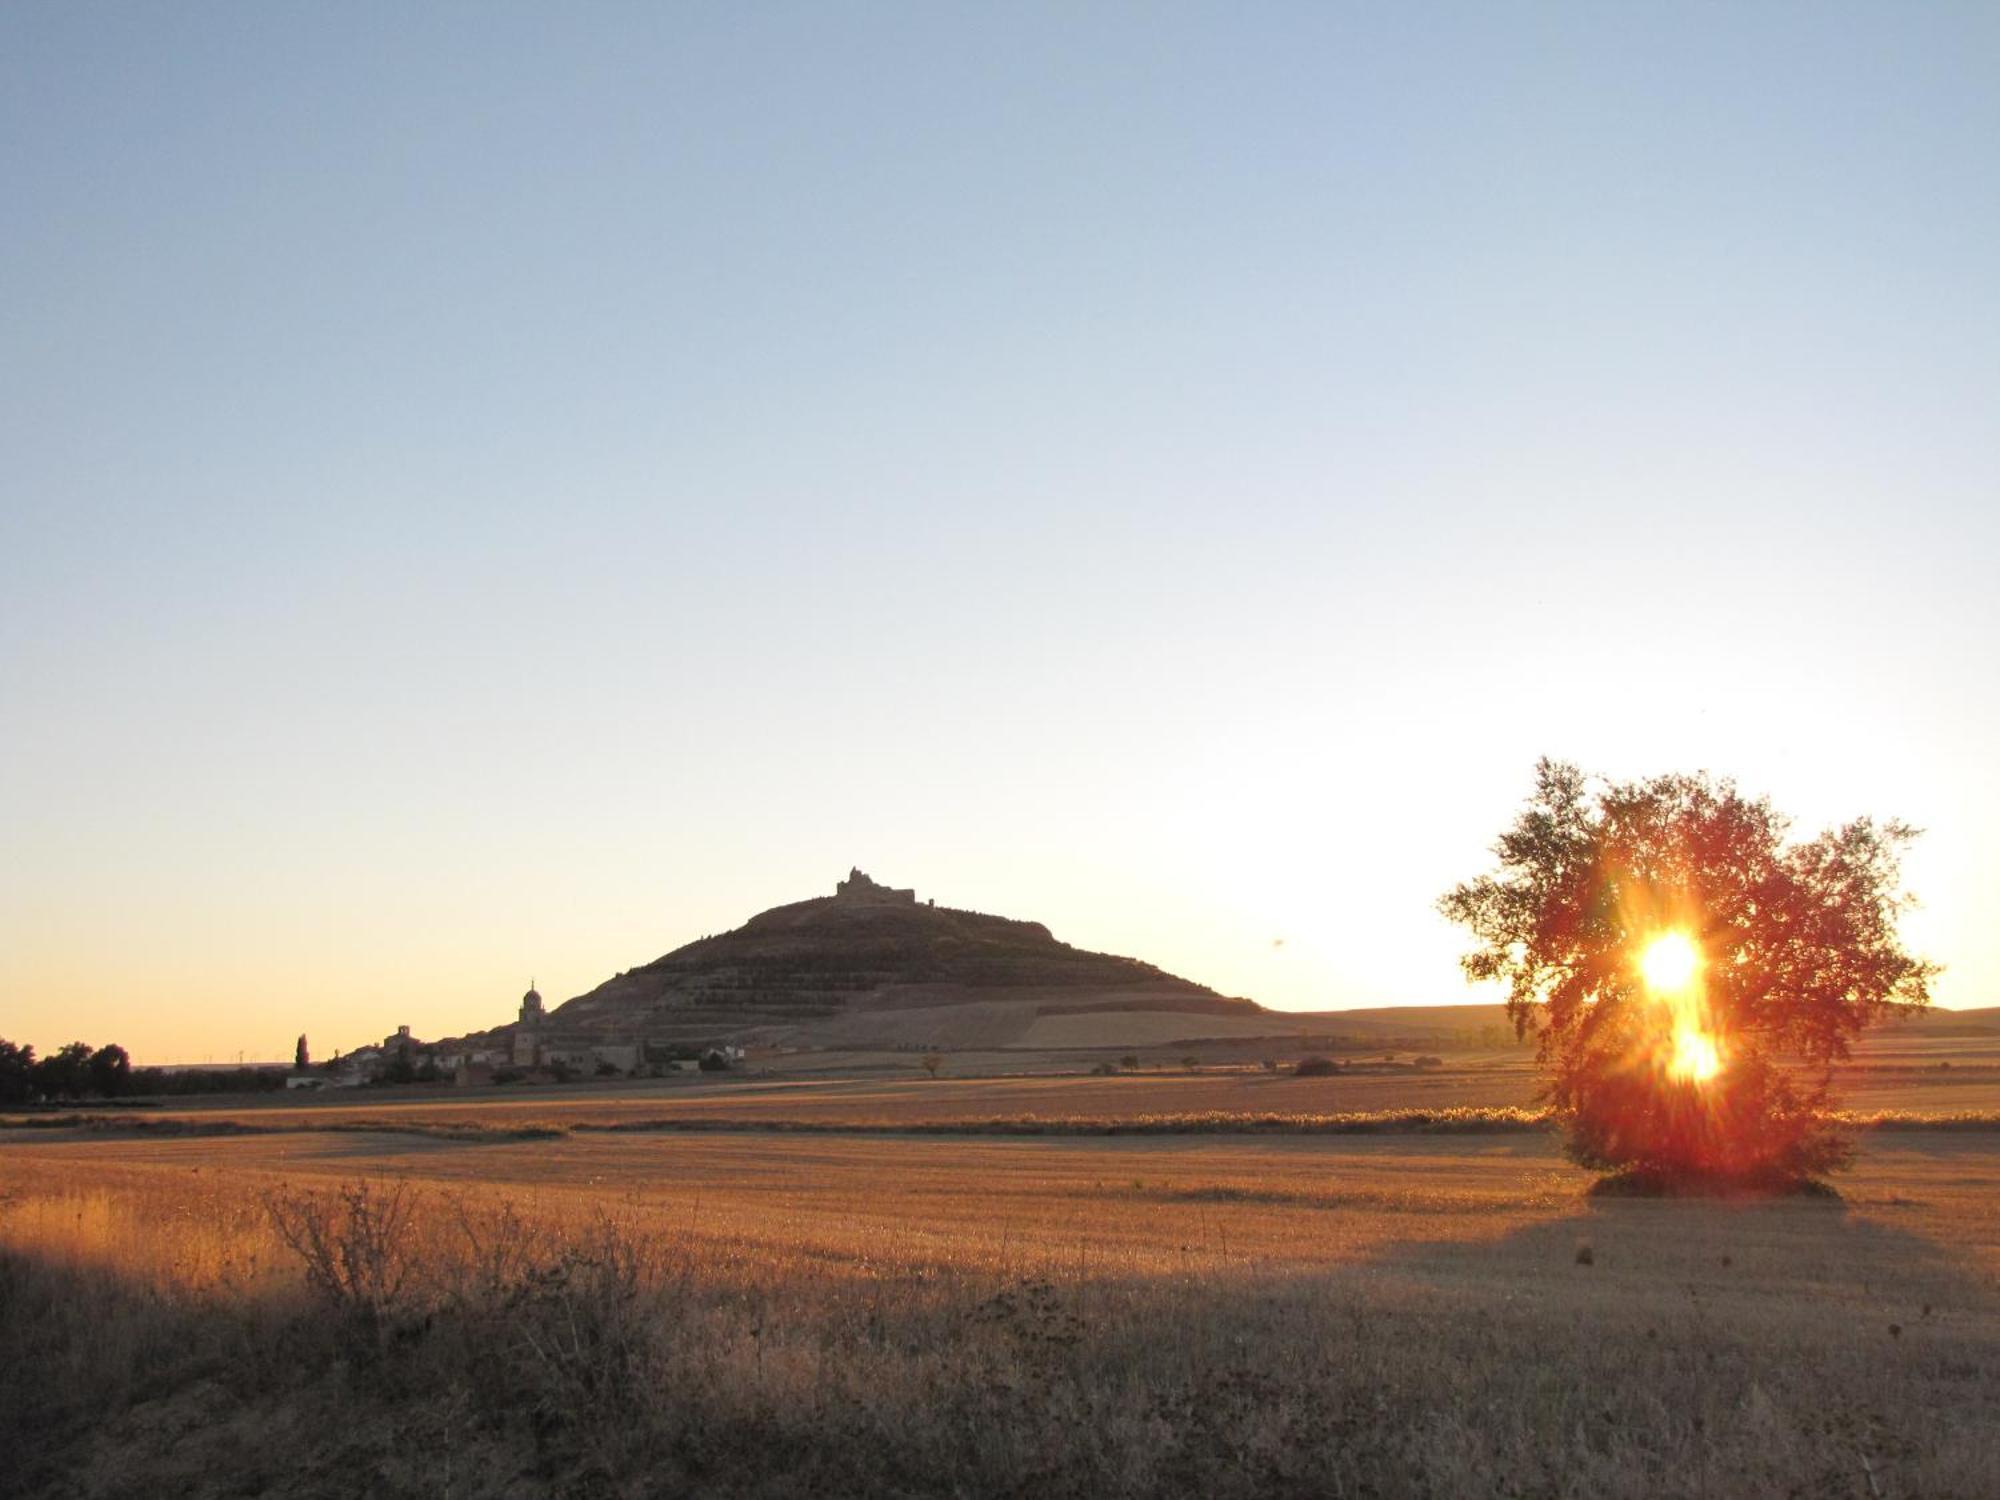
<point x="1690" y="975"/>
<point x="931" y="1062"/>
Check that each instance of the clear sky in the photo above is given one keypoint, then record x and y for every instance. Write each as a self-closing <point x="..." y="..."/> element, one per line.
<point x="500" y="491"/>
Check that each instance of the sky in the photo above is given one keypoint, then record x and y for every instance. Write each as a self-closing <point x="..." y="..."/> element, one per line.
<point x="494" y="492"/>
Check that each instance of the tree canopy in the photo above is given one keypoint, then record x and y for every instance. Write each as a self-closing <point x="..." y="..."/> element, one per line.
<point x="17" y="1072"/>
<point x="1691" y="973"/>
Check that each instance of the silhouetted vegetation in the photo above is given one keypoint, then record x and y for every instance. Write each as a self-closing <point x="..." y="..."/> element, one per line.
<point x="184" y="1082"/>
<point x="1717" y="1067"/>
<point x="17" y="1072"/>
<point x="73" y="1072"/>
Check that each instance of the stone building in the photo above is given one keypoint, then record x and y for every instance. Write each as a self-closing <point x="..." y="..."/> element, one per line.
<point x="527" y="1029"/>
<point x="536" y="1046"/>
<point x="858" y="887"/>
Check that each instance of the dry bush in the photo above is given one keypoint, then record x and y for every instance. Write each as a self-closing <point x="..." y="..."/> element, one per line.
<point x="355" y="1246"/>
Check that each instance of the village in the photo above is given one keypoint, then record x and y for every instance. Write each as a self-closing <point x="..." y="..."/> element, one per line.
<point x="529" y="1053"/>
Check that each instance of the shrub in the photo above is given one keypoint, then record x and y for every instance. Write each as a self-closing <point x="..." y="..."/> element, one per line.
<point x="1315" y="1067"/>
<point x="355" y="1249"/>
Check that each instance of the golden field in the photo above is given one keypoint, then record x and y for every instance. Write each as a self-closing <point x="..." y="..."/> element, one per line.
<point x="874" y="1310"/>
<point x="1898" y="1074"/>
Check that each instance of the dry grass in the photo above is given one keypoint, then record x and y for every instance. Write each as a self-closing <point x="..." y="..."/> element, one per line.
<point x="1492" y="1094"/>
<point x="611" y="1314"/>
<point x="514" y="1127"/>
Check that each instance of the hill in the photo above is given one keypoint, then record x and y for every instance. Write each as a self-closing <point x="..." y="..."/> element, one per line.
<point x="872" y="966"/>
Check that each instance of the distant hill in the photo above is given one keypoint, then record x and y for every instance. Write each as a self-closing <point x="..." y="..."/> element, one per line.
<point x="873" y="966"/>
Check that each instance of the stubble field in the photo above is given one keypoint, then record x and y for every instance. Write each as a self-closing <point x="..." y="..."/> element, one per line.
<point x="451" y="1308"/>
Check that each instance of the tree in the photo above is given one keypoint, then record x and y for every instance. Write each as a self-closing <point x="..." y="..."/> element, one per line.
<point x="302" y="1054"/>
<point x="110" y="1071"/>
<point x="399" y="1068"/>
<point x="931" y="1062"/>
<point x="17" y="1072"/>
<point x="63" y="1074"/>
<point x="1691" y="977"/>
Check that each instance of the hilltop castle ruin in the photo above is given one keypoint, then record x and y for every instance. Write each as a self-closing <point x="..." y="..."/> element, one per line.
<point x="858" y="887"/>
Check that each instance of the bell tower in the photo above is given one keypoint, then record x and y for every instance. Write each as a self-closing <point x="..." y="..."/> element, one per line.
<point x="531" y="1018"/>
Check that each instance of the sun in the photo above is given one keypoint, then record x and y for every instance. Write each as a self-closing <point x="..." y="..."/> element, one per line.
<point x="1669" y="963"/>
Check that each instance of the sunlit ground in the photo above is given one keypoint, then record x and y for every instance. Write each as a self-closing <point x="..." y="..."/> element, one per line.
<point x="1147" y="1312"/>
<point x="1950" y="1075"/>
<point x="1096" y="1206"/>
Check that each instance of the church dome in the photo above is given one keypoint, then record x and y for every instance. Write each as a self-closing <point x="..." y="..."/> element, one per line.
<point x="533" y="997"/>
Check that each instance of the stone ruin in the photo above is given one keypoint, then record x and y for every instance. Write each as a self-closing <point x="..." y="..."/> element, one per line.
<point x="858" y="887"/>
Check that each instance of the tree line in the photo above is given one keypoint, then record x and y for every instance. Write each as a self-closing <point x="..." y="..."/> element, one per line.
<point x="81" y="1071"/>
<point x="67" y="1073"/>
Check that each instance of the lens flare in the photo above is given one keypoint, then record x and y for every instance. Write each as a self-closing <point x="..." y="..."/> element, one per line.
<point x="1696" y="1058"/>
<point x="1671" y="964"/>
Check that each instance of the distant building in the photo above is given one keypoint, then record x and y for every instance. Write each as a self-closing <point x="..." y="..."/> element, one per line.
<point x="527" y="1030"/>
<point x="624" y="1056"/>
<point x="858" y="887"/>
<point x="536" y="1047"/>
<point x="449" y="1061"/>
